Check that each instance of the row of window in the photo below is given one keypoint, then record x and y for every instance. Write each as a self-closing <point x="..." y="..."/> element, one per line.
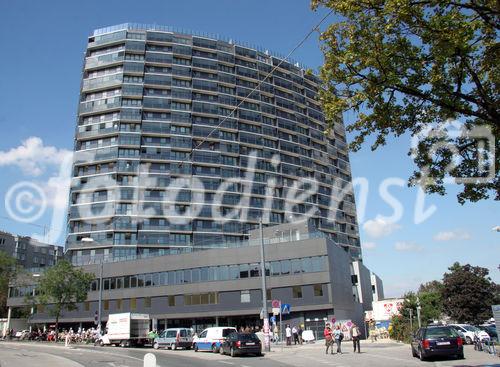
<point x="214" y="273"/>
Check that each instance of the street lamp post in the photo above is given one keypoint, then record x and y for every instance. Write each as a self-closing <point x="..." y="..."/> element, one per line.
<point x="418" y="313"/>
<point x="265" y="316"/>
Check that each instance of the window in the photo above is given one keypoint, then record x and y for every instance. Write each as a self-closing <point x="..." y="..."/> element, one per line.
<point x="243" y="271"/>
<point x="147" y="302"/>
<point x="285" y="267"/>
<point x="245" y="296"/>
<point x="105" y="304"/>
<point x="133" y="304"/>
<point x="318" y="290"/>
<point x="118" y="304"/>
<point x="297" y="291"/>
<point x="87" y="306"/>
<point x="171" y="301"/>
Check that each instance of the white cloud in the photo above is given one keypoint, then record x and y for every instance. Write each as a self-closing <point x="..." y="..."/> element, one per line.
<point x="380" y="227"/>
<point x="368" y="245"/>
<point x="33" y="157"/>
<point x="456" y="235"/>
<point x="407" y="246"/>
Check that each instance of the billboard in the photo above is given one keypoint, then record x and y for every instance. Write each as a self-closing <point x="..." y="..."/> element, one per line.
<point x="383" y="310"/>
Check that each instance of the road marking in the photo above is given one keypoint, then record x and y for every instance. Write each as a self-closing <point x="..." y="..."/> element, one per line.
<point x="226" y="362"/>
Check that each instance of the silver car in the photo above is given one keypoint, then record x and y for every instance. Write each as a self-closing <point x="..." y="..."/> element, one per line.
<point x="174" y="338"/>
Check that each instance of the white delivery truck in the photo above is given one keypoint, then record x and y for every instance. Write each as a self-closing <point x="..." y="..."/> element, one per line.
<point x="126" y="329"/>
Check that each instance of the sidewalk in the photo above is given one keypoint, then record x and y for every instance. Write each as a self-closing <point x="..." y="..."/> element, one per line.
<point x="277" y="349"/>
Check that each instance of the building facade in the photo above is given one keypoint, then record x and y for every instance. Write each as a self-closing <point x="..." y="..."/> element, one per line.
<point x="184" y="144"/>
<point x="308" y="271"/>
<point x="161" y="108"/>
<point x="28" y="252"/>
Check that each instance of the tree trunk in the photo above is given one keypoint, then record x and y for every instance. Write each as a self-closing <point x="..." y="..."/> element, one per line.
<point x="57" y="327"/>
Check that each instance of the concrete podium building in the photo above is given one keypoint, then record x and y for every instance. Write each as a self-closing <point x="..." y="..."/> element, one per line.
<point x="175" y="130"/>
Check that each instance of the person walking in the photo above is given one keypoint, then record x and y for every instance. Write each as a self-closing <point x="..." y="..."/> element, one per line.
<point x="338" y="336"/>
<point x="355" y="336"/>
<point x="327" y="333"/>
<point x="288" y="334"/>
<point x="299" y="331"/>
<point x="295" y="334"/>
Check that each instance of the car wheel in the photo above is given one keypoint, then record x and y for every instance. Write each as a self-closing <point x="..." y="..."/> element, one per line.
<point x="468" y="340"/>
<point x="214" y="348"/>
<point x="232" y="352"/>
<point x="195" y="347"/>
<point x="413" y="353"/>
<point x="123" y="344"/>
<point x="156" y="346"/>
<point x="173" y="346"/>
<point x="421" y="355"/>
<point x="221" y="350"/>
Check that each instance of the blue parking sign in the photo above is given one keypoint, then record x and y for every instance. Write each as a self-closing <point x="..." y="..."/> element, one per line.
<point x="272" y="319"/>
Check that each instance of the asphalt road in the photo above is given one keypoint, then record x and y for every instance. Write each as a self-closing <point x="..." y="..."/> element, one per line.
<point x="33" y="354"/>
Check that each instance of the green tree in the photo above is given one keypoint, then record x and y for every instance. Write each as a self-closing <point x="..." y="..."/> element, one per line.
<point x="431" y="308"/>
<point x="402" y="66"/>
<point x="61" y="287"/>
<point x="468" y="293"/>
<point x="7" y="275"/>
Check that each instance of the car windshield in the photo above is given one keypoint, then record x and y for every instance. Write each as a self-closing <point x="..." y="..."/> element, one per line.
<point x="246" y="337"/>
<point x="470" y="328"/>
<point x="440" y="332"/>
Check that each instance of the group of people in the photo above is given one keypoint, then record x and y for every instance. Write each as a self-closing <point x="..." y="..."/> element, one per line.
<point x="334" y="335"/>
<point x="293" y="333"/>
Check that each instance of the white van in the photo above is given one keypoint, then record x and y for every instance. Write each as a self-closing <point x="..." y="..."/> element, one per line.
<point x="212" y="338"/>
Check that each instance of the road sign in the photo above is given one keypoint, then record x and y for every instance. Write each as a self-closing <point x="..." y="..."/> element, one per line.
<point x="275" y="303"/>
<point x="272" y="319"/>
<point x="285" y="308"/>
<point x="276" y="310"/>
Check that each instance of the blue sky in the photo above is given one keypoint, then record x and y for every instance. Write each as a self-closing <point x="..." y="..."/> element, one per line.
<point x="42" y="56"/>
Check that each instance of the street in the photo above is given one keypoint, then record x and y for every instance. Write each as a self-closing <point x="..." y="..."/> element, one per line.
<point x="387" y="354"/>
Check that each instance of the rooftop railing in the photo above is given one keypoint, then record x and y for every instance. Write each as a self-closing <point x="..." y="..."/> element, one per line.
<point x="212" y="36"/>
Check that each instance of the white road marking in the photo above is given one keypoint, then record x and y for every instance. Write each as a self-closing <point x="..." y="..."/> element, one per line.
<point x="226" y="362"/>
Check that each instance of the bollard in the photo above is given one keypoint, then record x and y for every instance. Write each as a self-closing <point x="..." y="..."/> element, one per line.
<point x="149" y="360"/>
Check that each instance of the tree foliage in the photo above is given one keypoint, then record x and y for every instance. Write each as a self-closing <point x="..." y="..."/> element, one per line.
<point x="61" y="287"/>
<point x="7" y="275"/>
<point x="468" y="293"/>
<point x="402" y="66"/>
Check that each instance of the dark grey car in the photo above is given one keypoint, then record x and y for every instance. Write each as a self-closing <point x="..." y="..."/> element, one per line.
<point x="433" y="341"/>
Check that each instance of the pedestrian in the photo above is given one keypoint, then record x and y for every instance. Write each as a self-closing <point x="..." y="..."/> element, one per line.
<point x="339" y="336"/>
<point x="295" y="334"/>
<point x="355" y="336"/>
<point x="288" y="334"/>
<point x="276" y="333"/>
<point x="327" y="333"/>
<point x="299" y="331"/>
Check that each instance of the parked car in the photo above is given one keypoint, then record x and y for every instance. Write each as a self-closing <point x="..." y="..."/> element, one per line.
<point x="490" y="330"/>
<point x="240" y="344"/>
<point x="22" y="334"/>
<point x="174" y="338"/>
<point x="437" y="341"/>
<point x="469" y="332"/>
<point x="212" y="338"/>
